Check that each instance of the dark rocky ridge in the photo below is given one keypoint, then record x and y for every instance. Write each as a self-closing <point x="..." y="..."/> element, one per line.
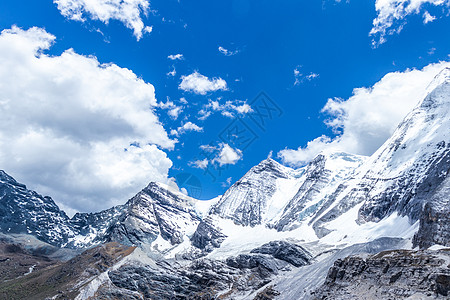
<point x="207" y="279"/>
<point x="25" y="211"/>
<point x="416" y="181"/>
<point x="395" y="274"/>
<point x="153" y="211"/>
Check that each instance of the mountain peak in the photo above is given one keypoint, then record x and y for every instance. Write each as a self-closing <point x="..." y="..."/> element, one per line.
<point x="442" y="77"/>
<point x="6" y="178"/>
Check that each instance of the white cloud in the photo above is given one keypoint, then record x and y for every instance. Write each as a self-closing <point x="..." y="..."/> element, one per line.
<point x="222" y="154"/>
<point x="391" y="15"/>
<point x="227" y="183"/>
<point x="175" y="112"/>
<point x="172" y="73"/>
<point x="188" y="126"/>
<point x="300" y="77"/>
<point x="176" y="57"/>
<point x="369" y="117"/>
<point x="427" y="18"/>
<point x="227" y="52"/>
<point x="208" y="148"/>
<point x="228" y="109"/>
<point x="80" y="131"/>
<point x="201" y="84"/>
<point x="228" y="155"/>
<point x="127" y="11"/>
<point x="173" y="109"/>
<point x="200" y="164"/>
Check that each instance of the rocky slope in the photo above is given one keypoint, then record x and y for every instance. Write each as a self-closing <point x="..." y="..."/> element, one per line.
<point x="156" y="211"/>
<point x="63" y="280"/>
<point x="399" y="274"/>
<point x="153" y="212"/>
<point x="321" y="178"/>
<point x="253" y="199"/>
<point x="404" y="174"/>
<point x="273" y="235"/>
<point x="25" y="211"/>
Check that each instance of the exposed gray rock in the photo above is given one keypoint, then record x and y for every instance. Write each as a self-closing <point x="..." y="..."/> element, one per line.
<point x="25" y="211"/>
<point x="435" y="220"/>
<point x="245" y="202"/>
<point x="153" y="211"/>
<point x="291" y="253"/>
<point x="395" y="274"/>
<point x="299" y="283"/>
<point x="207" y="236"/>
<point x="201" y="279"/>
<point x="405" y="173"/>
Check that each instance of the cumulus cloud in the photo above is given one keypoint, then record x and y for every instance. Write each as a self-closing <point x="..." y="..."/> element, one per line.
<point x="71" y="127"/>
<point x="227" y="109"/>
<point x="227" y="52"/>
<point x="228" y="155"/>
<point x="188" y="126"/>
<point x="200" y="84"/>
<point x="391" y="15"/>
<point x="127" y="11"/>
<point x="368" y="118"/>
<point x="217" y="155"/>
<point x="176" y="57"/>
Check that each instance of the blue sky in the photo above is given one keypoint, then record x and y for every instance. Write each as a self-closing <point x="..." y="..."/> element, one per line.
<point x="300" y="53"/>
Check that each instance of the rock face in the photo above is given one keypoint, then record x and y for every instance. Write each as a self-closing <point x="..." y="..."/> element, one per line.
<point x="204" y="278"/>
<point x="291" y="253"/>
<point x="247" y="201"/>
<point x="396" y="274"/>
<point x="152" y="212"/>
<point x="435" y="219"/>
<point x="322" y="176"/>
<point x="25" y="211"/>
<point x="155" y="211"/>
<point x="207" y="236"/>
<point x="404" y="174"/>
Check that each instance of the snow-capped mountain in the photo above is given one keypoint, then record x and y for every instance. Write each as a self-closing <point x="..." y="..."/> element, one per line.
<point x="25" y="211"/>
<point x="405" y="172"/>
<point x="157" y="211"/>
<point x="321" y="178"/>
<point x="259" y="195"/>
<point x="273" y="235"/>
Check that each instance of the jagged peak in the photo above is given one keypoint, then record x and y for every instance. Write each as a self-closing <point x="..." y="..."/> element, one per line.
<point x="6" y="177"/>
<point x="168" y="190"/>
<point x="269" y="165"/>
<point x="442" y="77"/>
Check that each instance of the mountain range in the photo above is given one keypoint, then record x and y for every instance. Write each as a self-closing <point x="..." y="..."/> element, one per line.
<point x="339" y="226"/>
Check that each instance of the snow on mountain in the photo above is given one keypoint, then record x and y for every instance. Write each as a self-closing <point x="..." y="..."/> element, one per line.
<point x="402" y="175"/>
<point x="320" y="179"/>
<point x="25" y="211"/>
<point x="259" y="195"/>
<point x="157" y="212"/>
